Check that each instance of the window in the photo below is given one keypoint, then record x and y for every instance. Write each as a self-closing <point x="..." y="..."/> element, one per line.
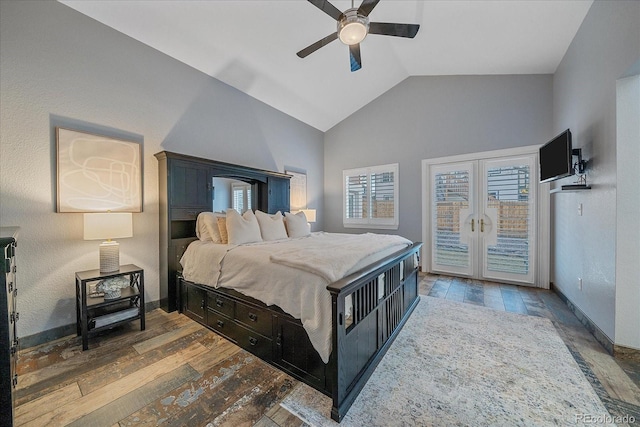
<point x="370" y="197"/>
<point x="241" y="197"/>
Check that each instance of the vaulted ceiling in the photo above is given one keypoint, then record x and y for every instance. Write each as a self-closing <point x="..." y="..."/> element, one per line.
<point x="252" y="45"/>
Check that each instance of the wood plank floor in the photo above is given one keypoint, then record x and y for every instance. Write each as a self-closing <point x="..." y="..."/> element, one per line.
<point x="177" y="372"/>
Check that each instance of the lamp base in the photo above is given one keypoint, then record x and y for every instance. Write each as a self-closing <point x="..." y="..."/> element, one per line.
<point x="109" y="256"/>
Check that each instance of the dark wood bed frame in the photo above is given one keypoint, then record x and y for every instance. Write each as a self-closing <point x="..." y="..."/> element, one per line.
<point x="383" y="294"/>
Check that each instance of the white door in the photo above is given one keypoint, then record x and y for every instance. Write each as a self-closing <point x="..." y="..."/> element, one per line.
<point x="482" y="218"/>
<point x="507" y="219"/>
<point x="454" y="249"/>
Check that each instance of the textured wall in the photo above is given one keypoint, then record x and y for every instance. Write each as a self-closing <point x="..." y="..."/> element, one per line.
<point x="60" y="67"/>
<point x="429" y="117"/>
<point x="584" y="99"/>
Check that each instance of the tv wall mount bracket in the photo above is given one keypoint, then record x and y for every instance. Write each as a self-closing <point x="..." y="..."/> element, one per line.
<point x="580" y="165"/>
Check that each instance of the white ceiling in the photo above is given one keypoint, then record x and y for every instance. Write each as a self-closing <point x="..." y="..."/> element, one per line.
<point x="252" y="44"/>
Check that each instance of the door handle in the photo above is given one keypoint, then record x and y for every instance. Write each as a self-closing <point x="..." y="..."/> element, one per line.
<point x="482" y="225"/>
<point x="473" y="223"/>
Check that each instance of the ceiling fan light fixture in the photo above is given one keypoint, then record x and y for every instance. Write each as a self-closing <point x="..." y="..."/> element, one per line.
<point x="352" y="28"/>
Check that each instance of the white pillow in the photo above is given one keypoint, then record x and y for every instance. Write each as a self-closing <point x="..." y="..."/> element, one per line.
<point x="201" y="230"/>
<point x="242" y="229"/>
<point x="207" y="227"/>
<point x="271" y="226"/>
<point x="297" y="225"/>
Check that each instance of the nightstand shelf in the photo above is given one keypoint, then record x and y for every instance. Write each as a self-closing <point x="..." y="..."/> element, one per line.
<point x="95" y="314"/>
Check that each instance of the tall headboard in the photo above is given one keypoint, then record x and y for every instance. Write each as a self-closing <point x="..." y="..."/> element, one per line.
<point x="185" y="187"/>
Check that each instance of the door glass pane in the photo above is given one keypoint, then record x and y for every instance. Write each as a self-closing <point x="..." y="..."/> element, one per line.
<point x="508" y="200"/>
<point x="451" y="196"/>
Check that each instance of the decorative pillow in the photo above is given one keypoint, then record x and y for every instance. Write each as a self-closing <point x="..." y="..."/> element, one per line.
<point x="297" y="225"/>
<point x="201" y="230"/>
<point x="242" y="229"/>
<point x="222" y="229"/>
<point x="271" y="226"/>
<point x="207" y="227"/>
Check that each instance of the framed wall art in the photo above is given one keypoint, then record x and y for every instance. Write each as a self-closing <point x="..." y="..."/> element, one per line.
<point x="298" y="190"/>
<point x="97" y="173"/>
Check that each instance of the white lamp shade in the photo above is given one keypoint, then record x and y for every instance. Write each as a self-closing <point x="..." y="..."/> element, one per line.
<point x="109" y="225"/>
<point x="310" y="214"/>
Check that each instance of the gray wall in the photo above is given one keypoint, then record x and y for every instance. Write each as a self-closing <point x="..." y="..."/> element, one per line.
<point x="584" y="100"/>
<point x="429" y="117"/>
<point x="60" y="67"/>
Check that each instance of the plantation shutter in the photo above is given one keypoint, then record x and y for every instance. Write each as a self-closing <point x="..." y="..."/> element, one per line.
<point x="508" y="195"/>
<point x="238" y="199"/>
<point x="371" y="197"/>
<point x="450" y="206"/>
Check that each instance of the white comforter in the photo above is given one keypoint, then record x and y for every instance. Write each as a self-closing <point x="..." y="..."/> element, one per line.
<point x="292" y="274"/>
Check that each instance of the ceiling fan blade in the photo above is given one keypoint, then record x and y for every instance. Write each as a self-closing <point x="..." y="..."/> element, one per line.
<point x="367" y="6"/>
<point x="397" y="30"/>
<point x="354" y="57"/>
<point x="327" y="8"/>
<point x="317" y="45"/>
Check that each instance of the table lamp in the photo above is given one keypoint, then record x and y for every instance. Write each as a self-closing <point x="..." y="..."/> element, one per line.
<point x="310" y="214"/>
<point x="108" y="225"/>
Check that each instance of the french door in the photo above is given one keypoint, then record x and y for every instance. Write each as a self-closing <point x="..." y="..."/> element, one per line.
<point x="482" y="216"/>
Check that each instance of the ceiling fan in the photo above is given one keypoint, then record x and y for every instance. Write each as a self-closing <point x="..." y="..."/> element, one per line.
<point x="353" y="27"/>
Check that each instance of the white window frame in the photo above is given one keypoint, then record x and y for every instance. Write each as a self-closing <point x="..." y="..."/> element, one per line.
<point x="379" y="223"/>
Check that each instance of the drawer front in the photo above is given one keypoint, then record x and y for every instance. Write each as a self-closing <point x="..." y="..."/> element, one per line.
<point x="223" y="325"/>
<point x="220" y="304"/>
<point x="255" y="318"/>
<point x="254" y="343"/>
<point x="186" y="214"/>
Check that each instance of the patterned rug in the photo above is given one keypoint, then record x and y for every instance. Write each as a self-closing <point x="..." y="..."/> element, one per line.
<point x="457" y="364"/>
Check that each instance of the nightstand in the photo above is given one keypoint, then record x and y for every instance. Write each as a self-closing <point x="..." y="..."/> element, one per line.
<point x="95" y="314"/>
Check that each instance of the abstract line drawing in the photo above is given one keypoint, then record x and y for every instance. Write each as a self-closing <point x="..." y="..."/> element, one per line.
<point x="97" y="173"/>
<point x="298" y="190"/>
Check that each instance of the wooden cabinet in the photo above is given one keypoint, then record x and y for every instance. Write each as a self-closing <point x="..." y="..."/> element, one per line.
<point x="295" y="354"/>
<point x="8" y="336"/>
<point x="274" y="337"/>
<point x="185" y="187"/>
<point x="278" y="194"/>
<point x="190" y="184"/>
<point x="194" y="302"/>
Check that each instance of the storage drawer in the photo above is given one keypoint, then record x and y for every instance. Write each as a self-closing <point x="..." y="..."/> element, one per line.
<point x="255" y="343"/>
<point x="220" y="304"/>
<point x="186" y="214"/>
<point x="255" y="318"/>
<point x="223" y="325"/>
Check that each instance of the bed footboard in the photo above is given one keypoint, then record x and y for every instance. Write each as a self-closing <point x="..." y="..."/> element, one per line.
<point x="369" y="309"/>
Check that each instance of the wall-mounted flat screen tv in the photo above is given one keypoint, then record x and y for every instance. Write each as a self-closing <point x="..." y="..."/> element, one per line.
<point x="555" y="158"/>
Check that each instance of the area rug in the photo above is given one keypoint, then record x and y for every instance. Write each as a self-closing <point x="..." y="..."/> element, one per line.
<point x="456" y="364"/>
